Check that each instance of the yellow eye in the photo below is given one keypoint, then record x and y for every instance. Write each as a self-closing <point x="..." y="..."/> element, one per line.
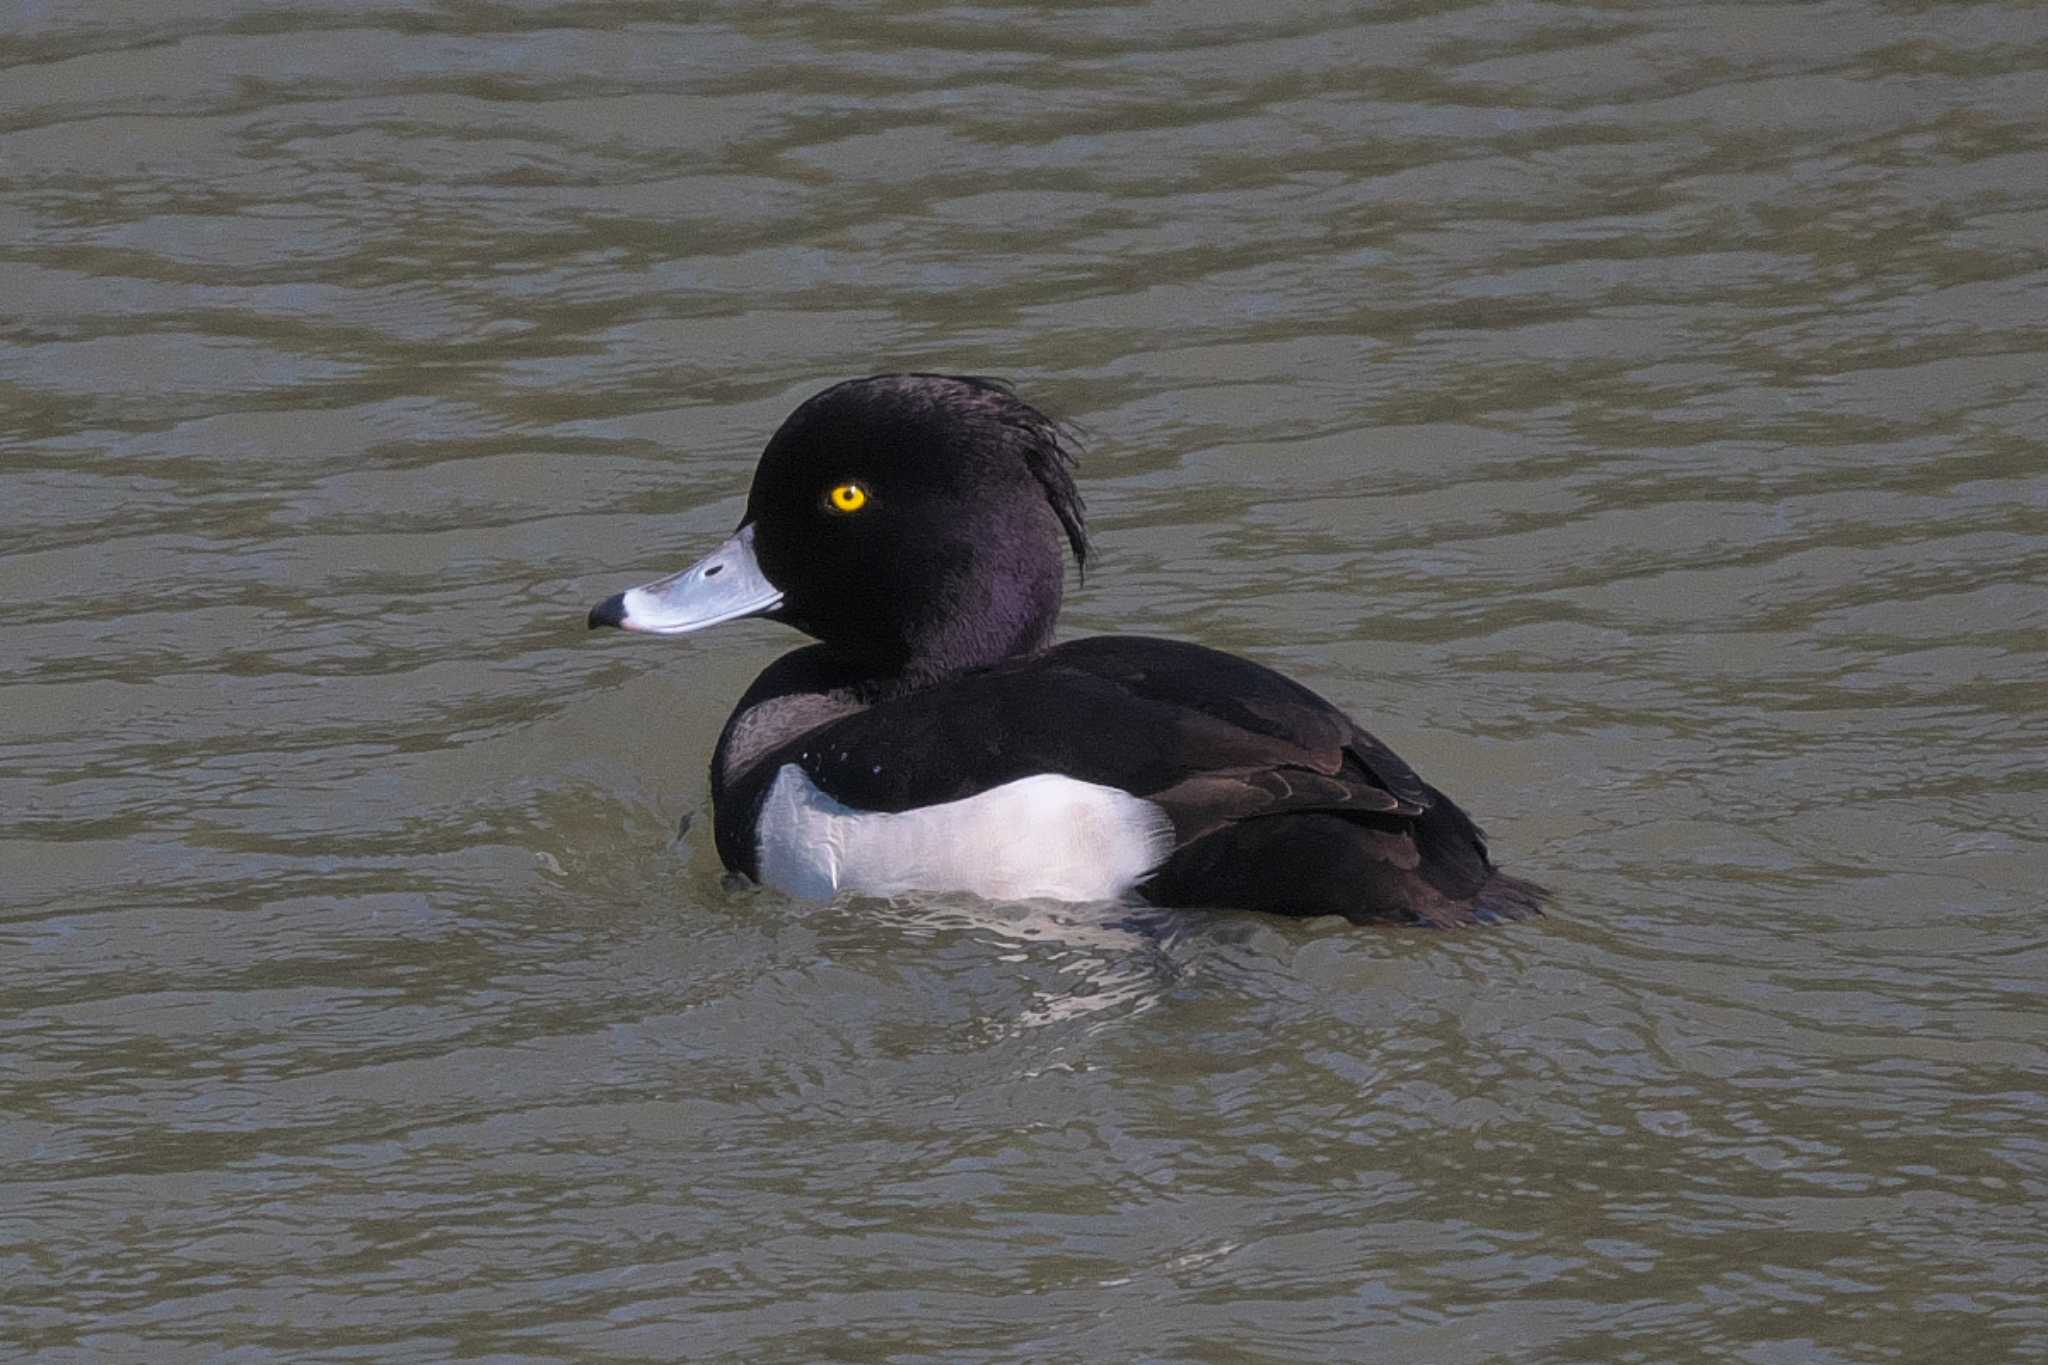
<point x="847" y="497"/>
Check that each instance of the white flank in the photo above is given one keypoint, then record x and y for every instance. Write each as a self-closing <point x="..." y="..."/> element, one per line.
<point x="1046" y="837"/>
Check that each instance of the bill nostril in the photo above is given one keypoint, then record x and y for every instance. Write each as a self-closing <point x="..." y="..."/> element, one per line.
<point x="714" y="571"/>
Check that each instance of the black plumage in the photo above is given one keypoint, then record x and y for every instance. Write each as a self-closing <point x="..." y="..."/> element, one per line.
<point x="934" y="679"/>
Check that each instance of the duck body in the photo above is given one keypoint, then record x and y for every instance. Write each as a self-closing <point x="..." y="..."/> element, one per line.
<point x="935" y="740"/>
<point x="1098" y="769"/>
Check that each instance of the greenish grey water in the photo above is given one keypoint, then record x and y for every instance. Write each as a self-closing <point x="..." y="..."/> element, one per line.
<point x="1635" y="413"/>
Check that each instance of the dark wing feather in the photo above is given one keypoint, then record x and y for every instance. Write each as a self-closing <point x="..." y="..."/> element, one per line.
<point x="1211" y="737"/>
<point x="1307" y="755"/>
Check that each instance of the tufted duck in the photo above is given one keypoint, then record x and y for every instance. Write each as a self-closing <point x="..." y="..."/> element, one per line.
<point x="936" y="739"/>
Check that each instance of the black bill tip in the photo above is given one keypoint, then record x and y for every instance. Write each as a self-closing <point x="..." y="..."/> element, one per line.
<point x="610" y="612"/>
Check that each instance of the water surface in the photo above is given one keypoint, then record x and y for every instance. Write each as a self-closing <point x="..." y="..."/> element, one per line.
<point x="1634" y="413"/>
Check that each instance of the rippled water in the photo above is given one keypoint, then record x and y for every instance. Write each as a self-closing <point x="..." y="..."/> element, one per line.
<point x="1634" y="412"/>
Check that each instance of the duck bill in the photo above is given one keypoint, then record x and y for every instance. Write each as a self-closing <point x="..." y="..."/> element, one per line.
<point x="722" y="586"/>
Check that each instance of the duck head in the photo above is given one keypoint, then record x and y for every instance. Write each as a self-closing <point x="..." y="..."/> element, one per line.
<point x="913" y="523"/>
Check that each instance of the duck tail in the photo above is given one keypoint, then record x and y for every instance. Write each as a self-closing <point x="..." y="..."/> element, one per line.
<point x="1508" y="898"/>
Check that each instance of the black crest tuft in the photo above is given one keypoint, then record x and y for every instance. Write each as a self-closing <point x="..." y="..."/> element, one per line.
<point x="1050" y="450"/>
